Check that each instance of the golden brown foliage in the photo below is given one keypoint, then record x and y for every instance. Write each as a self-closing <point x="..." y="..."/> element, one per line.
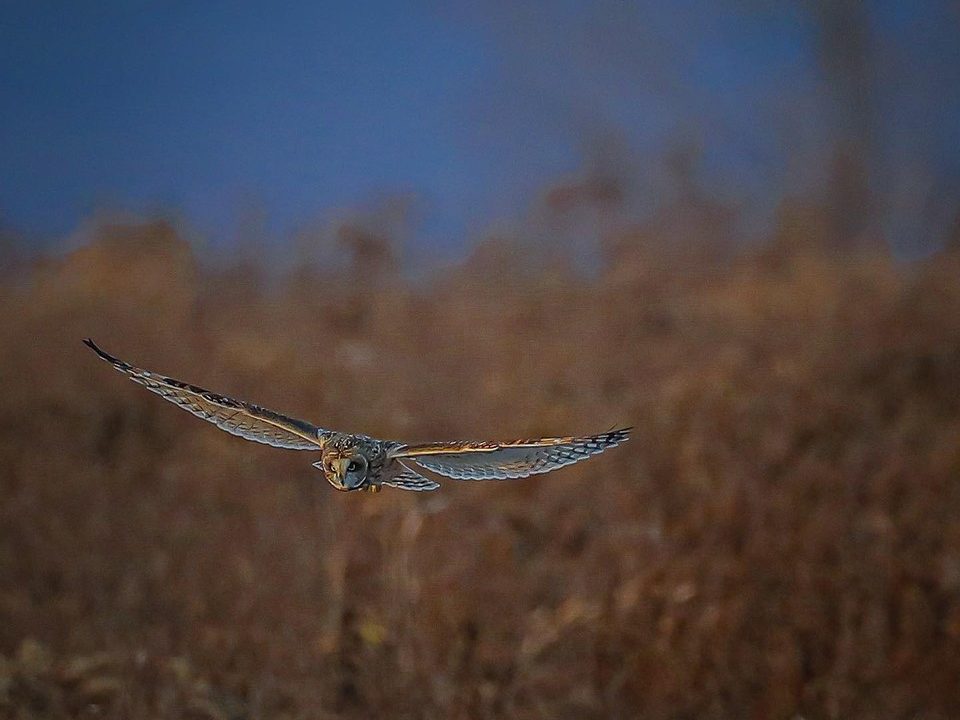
<point x="780" y="538"/>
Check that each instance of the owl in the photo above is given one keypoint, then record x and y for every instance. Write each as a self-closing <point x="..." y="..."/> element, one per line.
<point x="358" y="462"/>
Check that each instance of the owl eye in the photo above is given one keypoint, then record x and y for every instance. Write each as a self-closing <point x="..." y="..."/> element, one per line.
<point x="353" y="466"/>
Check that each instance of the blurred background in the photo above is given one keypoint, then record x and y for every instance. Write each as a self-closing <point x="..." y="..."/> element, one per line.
<point x="732" y="224"/>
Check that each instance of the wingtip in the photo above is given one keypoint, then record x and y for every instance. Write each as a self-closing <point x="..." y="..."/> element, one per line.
<point x="96" y="348"/>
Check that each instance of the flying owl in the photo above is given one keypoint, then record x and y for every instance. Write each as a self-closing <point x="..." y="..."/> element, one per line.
<point x="358" y="462"/>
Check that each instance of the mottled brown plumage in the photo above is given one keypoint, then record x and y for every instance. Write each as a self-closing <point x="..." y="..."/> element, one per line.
<point x="358" y="462"/>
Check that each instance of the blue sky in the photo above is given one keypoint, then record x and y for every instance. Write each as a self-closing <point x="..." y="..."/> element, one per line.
<point x="307" y="108"/>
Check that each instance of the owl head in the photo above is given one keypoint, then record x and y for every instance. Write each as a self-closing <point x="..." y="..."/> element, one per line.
<point x="344" y="468"/>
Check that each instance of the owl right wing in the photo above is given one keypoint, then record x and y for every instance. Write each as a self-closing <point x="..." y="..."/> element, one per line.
<point x="242" y="419"/>
<point x="507" y="460"/>
<point x="408" y="479"/>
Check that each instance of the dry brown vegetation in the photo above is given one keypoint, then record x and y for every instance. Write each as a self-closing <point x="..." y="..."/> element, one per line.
<point x="779" y="539"/>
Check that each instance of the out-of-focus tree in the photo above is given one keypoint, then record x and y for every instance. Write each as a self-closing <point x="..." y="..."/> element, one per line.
<point x="364" y="243"/>
<point x="845" y="56"/>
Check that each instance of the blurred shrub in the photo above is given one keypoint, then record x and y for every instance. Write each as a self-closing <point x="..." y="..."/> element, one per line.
<point x="780" y="538"/>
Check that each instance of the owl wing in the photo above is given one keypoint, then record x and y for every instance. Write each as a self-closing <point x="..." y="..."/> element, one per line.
<point x="245" y="420"/>
<point x="506" y="460"/>
<point x="408" y="479"/>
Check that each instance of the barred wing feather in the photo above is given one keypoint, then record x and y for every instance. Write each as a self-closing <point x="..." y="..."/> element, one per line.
<point x="408" y="479"/>
<point x="242" y="419"/>
<point x="508" y="460"/>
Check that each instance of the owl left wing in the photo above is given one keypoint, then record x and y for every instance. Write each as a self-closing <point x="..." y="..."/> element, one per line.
<point x="507" y="460"/>
<point x="243" y="419"/>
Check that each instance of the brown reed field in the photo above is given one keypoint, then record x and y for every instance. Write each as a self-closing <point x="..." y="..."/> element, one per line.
<point x="779" y="539"/>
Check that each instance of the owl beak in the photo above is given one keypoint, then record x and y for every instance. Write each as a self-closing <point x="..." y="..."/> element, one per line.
<point x="340" y="468"/>
<point x="338" y="473"/>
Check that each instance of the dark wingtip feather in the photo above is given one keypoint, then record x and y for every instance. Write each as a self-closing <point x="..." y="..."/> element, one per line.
<point x="103" y="353"/>
<point x="93" y="346"/>
<point x="619" y="435"/>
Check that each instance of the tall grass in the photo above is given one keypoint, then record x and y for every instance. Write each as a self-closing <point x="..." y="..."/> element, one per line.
<point x="779" y="538"/>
